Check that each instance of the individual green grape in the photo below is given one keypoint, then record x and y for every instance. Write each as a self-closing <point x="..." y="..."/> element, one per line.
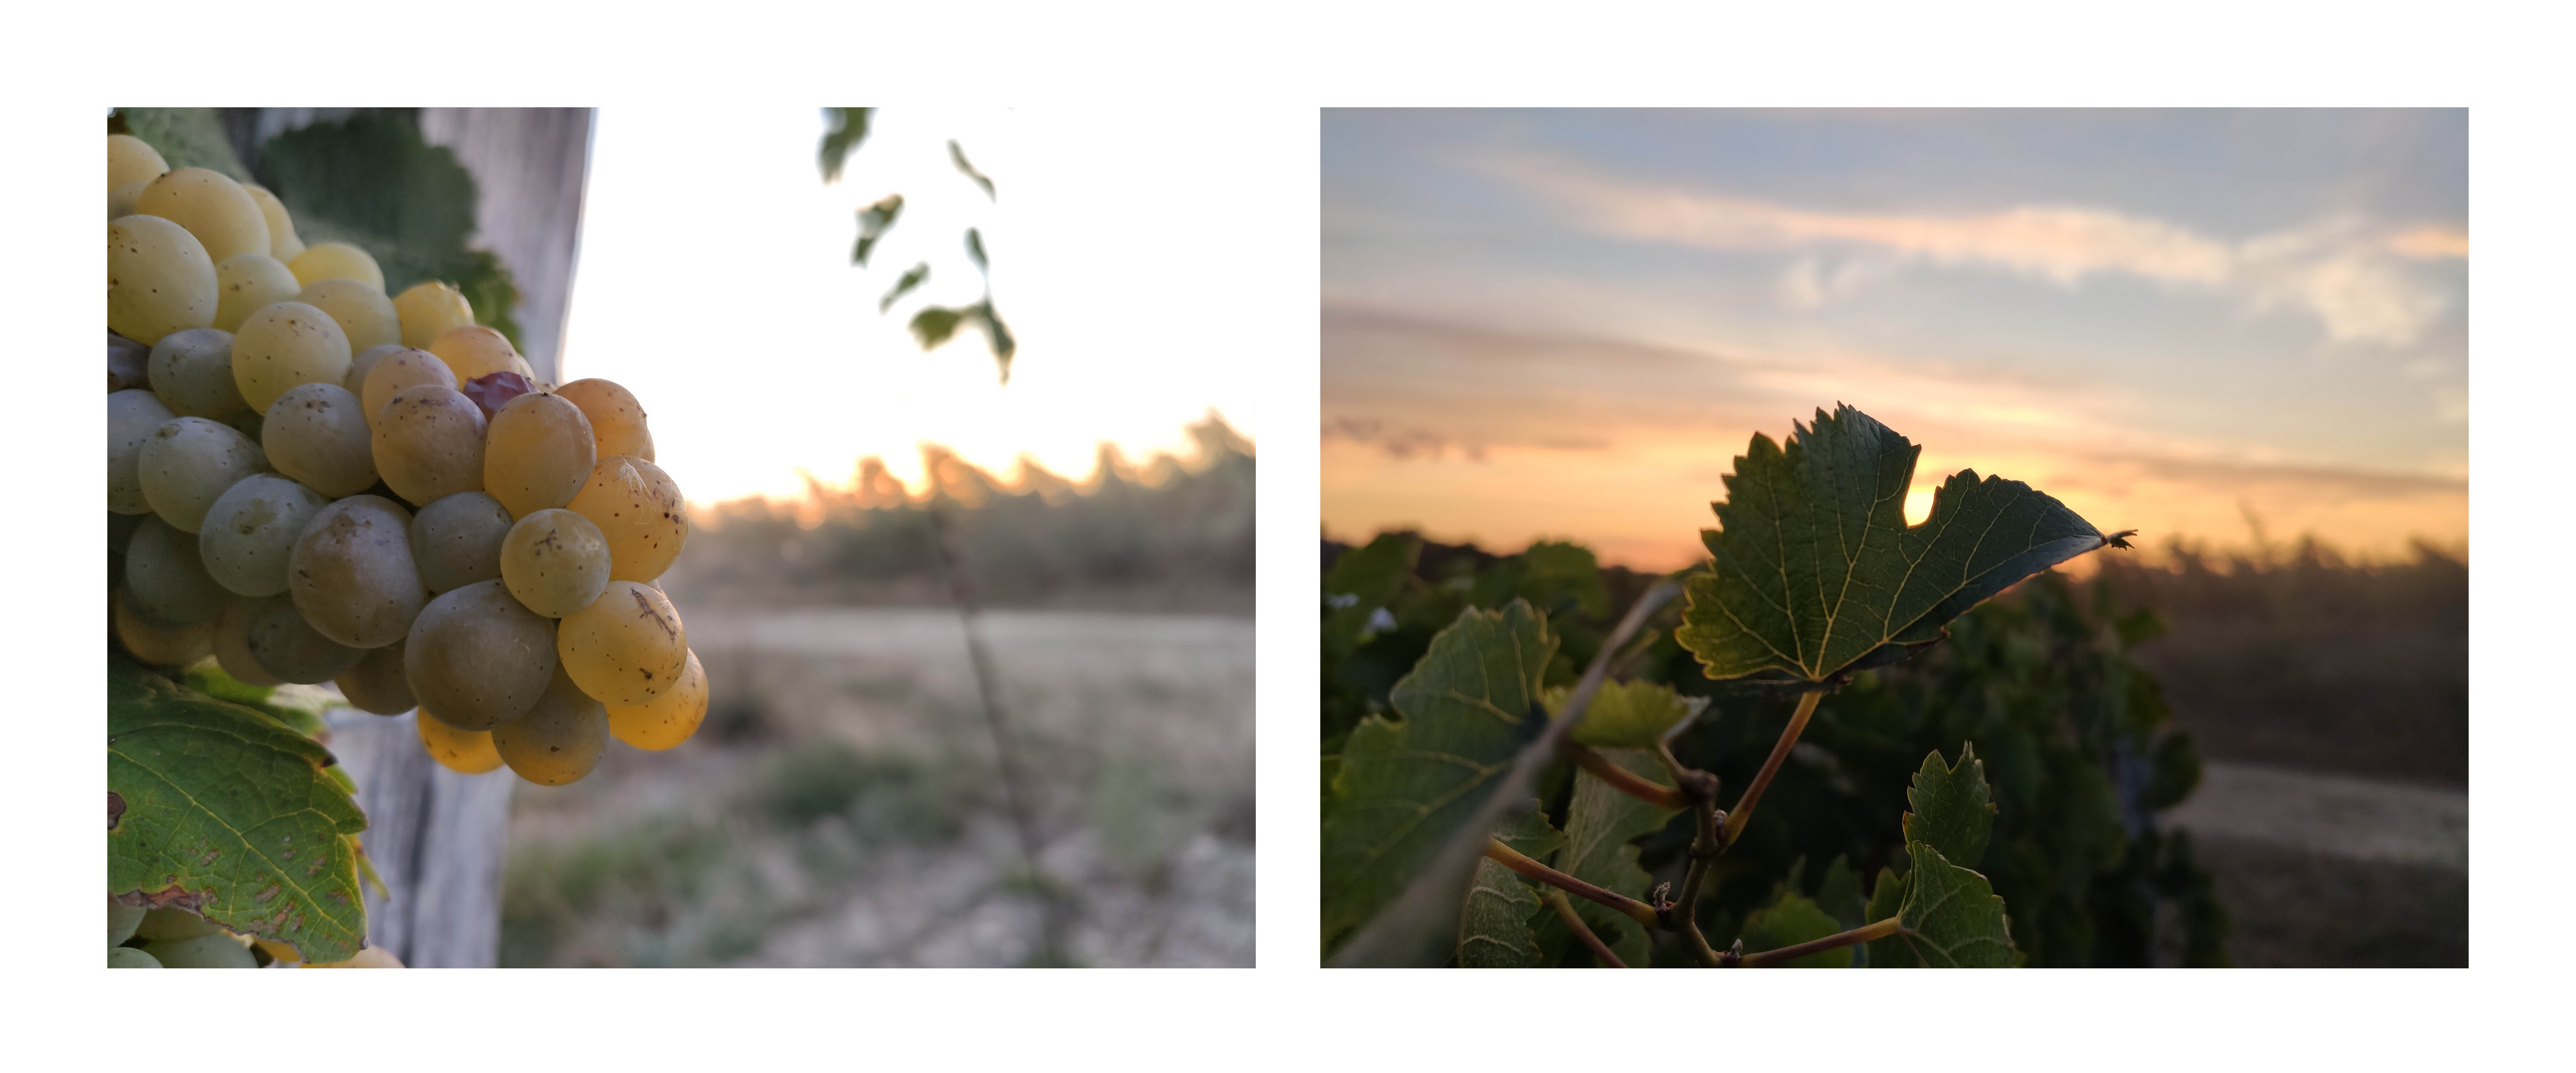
<point x="429" y="443"/>
<point x="132" y="160"/>
<point x="365" y="315"/>
<point x="405" y="368"/>
<point x="250" y="532"/>
<point x="132" y="416"/>
<point x="283" y="344"/>
<point x="456" y="540"/>
<point x="167" y="579"/>
<point x="429" y="310"/>
<point x="666" y="720"/>
<point x="245" y="283"/>
<point x="335" y="260"/>
<point x="365" y="362"/>
<point x="377" y="684"/>
<point x="616" y="419"/>
<point x="188" y="463"/>
<point x="627" y="647"/>
<point x="170" y="925"/>
<point x="126" y="957"/>
<point x="477" y="658"/>
<point x="282" y="243"/>
<point x="192" y="374"/>
<point x="638" y="507"/>
<point x="232" y="644"/>
<point x="555" y="562"/>
<point x="475" y="350"/>
<point x="466" y="752"/>
<point x="538" y="453"/>
<point x="212" y="207"/>
<point x="217" y="951"/>
<point x="317" y="434"/>
<point x="159" y="279"/>
<point x="352" y="572"/>
<point x="289" y="648"/>
<point x="559" y="740"/>
<point x="120" y="200"/>
<point x="122" y="919"/>
<point x="160" y="644"/>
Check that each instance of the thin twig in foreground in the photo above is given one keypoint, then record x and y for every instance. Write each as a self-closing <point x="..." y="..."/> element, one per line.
<point x="1622" y="779"/>
<point x="1743" y="811"/>
<point x="1865" y="933"/>
<point x="1522" y="863"/>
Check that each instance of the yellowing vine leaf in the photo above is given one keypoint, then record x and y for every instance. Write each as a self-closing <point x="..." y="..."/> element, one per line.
<point x="1814" y="572"/>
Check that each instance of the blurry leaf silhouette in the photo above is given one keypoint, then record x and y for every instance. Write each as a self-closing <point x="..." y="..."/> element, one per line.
<point x="975" y="246"/>
<point x="873" y="222"/>
<point x="849" y="128"/>
<point x="933" y="326"/>
<point x="959" y="156"/>
<point x="912" y="278"/>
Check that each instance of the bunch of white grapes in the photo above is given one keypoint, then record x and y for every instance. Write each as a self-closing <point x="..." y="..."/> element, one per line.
<point x="314" y="482"/>
<point x="174" y="938"/>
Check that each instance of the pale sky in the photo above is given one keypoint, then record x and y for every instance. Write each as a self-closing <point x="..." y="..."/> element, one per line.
<point x="1568" y="323"/>
<point x="715" y="283"/>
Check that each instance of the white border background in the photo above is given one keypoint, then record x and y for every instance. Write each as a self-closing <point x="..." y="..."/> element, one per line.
<point x="1277" y="64"/>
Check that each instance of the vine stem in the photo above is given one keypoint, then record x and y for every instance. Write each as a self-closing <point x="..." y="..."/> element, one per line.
<point x="1521" y="863"/>
<point x="1743" y="811"/>
<point x="1564" y="907"/>
<point x="1862" y="934"/>
<point x="1619" y="778"/>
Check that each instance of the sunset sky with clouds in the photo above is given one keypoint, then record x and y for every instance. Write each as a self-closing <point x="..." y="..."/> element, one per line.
<point x="1567" y="324"/>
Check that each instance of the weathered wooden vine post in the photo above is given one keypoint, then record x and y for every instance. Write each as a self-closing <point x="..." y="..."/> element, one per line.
<point x="437" y="837"/>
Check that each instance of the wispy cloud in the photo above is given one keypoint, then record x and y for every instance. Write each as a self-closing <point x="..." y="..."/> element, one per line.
<point x="2359" y="279"/>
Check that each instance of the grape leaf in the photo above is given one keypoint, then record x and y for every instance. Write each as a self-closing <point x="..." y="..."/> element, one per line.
<point x="1629" y="715"/>
<point x="1494" y="926"/>
<point x="1954" y="811"/>
<point x="1814" y="572"/>
<point x="1364" y="579"/>
<point x="1951" y="919"/>
<point x="1405" y="787"/>
<point x="220" y="809"/>
<point x="1599" y="825"/>
<point x="1795" y="919"/>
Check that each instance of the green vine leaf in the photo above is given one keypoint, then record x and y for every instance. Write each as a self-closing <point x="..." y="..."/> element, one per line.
<point x="1838" y="894"/>
<point x="1494" y="925"/>
<point x="223" y="810"/>
<point x="1791" y="920"/>
<point x="1629" y="715"/>
<point x="1600" y="823"/>
<point x="1887" y="899"/>
<point x="1954" y="810"/>
<point x="1951" y="920"/>
<point x="1814" y="571"/>
<point x="1363" y="580"/>
<point x="1406" y="787"/>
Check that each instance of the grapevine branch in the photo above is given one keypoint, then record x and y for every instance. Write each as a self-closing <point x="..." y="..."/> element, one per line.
<point x="1635" y="785"/>
<point x="1600" y="950"/>
<point x="1523" y="864"/>
<point x="1770" y="958"/>
<point x="1779" y="752"/>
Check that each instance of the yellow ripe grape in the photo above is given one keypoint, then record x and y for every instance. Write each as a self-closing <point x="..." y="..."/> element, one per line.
<point x="133" y="415"/>
<point x="284" y="344"/>
<point x="377" y="684"/>
<point x="474" y="351"/>
<point x="132" y="160"/>
<point x="365" y="315"/>
<point x="232" y="644"/>
<point x="159" y="279"/>
<point x="352" y="573"/>
<point x="559" y="740"/>
<point x="120" y="201"/>
<point x="429" y="310"/>
<point x="478" y="657"/>
<point x="336" y="260"/>
<point x="627" y="647"/>
<point x="538" y="454"/>
<point x="457" y="540"/>
<point x="429" y="443"/>
<point x="555" y="562"/>
<point x="394" y="372"/>
<point x="246" y="282"/>
<point x="466" y="752"/>
<point x="212" y="207"/>
<point x="158" y="643"/>
<point x="282" y="243"/>
<point x="316" y="435"/>
<point x="192" y="374"/>
<point x="364" y="362"/>
<point x="666" y="720"/>
<point x="616" y="419"/>
<point x="638" y="507"/>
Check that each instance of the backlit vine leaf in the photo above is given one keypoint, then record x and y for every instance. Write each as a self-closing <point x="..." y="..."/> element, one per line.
<point x="1599" y="825"/>
<point x="1791" y="920"/>
<point x="1629" y="715"/>
<point x="1954" y="811"/>
<point x="1951" y="919"/>
<point x="1363" y="580"/>
<point x="225" y="811"/>
<point x="1406" y="787"/>
<point x="1814" y="572"/>
<point x="1494" y="924"/>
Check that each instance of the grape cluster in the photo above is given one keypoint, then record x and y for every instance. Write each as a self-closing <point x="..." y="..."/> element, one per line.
<point x="174" y="938"/>
<point x="313" y="482"/>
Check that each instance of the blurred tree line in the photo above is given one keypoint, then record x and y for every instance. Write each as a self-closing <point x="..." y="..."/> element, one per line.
<point x="1167" y="535"/>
